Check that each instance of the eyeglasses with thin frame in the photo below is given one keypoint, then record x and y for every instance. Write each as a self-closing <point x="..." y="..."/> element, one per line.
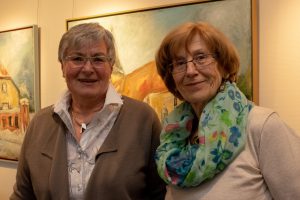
<point x="200" y="61"/>
<point x="79" y="61"/>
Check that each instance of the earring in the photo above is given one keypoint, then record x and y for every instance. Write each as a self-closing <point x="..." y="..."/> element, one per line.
<point x="222" y="86"/>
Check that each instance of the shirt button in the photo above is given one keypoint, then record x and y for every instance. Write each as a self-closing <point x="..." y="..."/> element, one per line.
<point x="79" y="187"/>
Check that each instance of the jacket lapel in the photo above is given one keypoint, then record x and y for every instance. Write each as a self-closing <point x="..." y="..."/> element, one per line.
<point x="110" y="144"/>
<point x="55" y="149"/>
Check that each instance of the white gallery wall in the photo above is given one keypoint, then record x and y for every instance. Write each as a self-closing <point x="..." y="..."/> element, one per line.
<point x="279" y="54"/>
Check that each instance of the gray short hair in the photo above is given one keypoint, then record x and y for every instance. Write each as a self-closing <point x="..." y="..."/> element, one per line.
<point x="79" y="34"/>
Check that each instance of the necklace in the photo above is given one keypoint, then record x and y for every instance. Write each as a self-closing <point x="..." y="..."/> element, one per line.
<point x="81" y="124"/>
<point x="82" y="120"/>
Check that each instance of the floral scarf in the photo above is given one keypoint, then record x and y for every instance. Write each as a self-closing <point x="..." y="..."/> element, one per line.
<point x="221" y="137"/>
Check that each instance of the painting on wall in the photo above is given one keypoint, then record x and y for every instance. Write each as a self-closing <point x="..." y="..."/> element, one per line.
<point x="138" y="34"/>
<point x="19" y="87"/>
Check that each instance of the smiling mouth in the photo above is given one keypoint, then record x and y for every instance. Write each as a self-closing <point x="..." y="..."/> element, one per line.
<point x="194" y="83"/>
<point x="87" y="80"/>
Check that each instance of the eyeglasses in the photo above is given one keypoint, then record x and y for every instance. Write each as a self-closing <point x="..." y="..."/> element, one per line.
<point x="200" y="61"/>
<point x="80" y="61"/>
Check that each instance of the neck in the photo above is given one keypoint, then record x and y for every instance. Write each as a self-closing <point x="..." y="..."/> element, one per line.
<point x="197" y="108"/>
<point x="83" y="113"/>
<point x="86" y="107"/>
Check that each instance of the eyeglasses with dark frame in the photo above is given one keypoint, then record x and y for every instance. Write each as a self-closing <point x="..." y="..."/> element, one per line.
<point x="200" y="61"/>
<point x="79" y="61"/>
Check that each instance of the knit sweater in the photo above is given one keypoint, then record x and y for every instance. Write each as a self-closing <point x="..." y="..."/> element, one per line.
<point x="268" y="168"/>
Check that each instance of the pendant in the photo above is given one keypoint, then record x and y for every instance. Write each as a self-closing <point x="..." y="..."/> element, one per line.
<point x="83" y="127"/>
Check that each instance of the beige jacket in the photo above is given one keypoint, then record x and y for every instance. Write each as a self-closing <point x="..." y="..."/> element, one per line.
<point x="268" y="168"/>
<point x="124" y="169"/>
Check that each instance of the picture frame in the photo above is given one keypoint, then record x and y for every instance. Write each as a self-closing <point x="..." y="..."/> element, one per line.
<point x="138" y="34"/>
<point x="19" y="87"/>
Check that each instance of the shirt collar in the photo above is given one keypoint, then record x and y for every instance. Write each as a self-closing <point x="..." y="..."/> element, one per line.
<point x="112" y="97"/>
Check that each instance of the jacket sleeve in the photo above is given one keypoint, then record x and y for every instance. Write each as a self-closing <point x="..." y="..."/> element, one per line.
<point x="279" y="159"/>
<point x="23" y="189"/>
<point x="157" y="187"/>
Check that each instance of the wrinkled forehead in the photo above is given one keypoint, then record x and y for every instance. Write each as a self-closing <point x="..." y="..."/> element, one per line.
<point x="191" y="47"/>
<point x="184" y="44"/>
<point x="79" y="44"/>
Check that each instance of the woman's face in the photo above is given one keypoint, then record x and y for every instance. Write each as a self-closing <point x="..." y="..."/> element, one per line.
<point x="197" y="85"/>
<point x="86" y="80"/>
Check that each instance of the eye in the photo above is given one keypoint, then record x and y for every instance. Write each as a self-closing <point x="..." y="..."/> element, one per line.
<point x="179" y="66"/>
<point x="200" y="58"/>
<point x="179" y="63"/>
<point x="77" y="59"/>
<point x="99" y="59"/>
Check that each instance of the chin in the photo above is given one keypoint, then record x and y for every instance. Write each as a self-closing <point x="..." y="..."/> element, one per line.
<point x="200" y="98"/>
<point x="89" y="94"/>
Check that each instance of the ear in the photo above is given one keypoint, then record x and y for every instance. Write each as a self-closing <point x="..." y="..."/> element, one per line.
<point x="62" y="69"/>
<point x="224" y="74"/>
<point x="111" y="67"/>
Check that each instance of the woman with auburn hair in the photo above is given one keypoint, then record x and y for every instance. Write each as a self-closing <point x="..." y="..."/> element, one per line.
<point x="218" y="145"/>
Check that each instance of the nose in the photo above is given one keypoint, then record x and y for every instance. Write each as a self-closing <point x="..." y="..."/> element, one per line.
<point x="191" y="68"/>
<point x="88" y="64"/>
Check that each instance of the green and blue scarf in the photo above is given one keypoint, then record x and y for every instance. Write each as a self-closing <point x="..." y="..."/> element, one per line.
<point x="221" y="137"/>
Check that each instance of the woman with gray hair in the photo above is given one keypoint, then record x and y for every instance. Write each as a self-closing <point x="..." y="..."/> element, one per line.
<point x="93" y="143"/>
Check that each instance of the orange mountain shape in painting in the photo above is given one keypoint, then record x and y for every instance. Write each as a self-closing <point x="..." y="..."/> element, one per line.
<point x="141" y="82"/>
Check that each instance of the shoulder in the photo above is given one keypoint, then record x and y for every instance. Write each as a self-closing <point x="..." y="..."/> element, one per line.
<point x="43" y="113"/>
<point x="44" y="119"/>
<point x="42" y="126"/>
<point x="136" y="105"/>
<point x="258" y="116"/>
<point x="275" y="144"/>
<point x="264" y="120"/>
<point x="135" y="110"/>
<point x="258" y="119"/>
<point x="131" y="101"/>
<point x="268" y="122"/>
<point x="266" y="129"/>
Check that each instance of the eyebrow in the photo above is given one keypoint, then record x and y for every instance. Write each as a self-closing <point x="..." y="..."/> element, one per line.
<point x="193" y="53"/>
<point x="198" y="51"/>
<point x="99" y="54"/>
<point x="84" y="55"/>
